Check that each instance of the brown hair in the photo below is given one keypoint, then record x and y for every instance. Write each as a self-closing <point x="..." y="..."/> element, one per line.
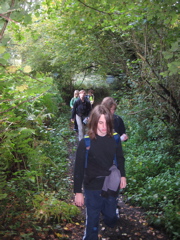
<point x="82" y="91"/>
<point x="90" y="91"/>
<point x="94" y="118"/>
<point x="109" y="102"/>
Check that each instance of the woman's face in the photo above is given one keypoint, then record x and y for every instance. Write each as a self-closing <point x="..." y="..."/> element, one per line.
<point x="102" y="126"/>
<point x="112" y="110"/>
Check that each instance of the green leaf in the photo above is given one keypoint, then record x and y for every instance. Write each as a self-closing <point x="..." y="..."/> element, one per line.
<point x="27" y="19"/>
<point x="6" y="56"/>
<point x="175" y="46"/>
<point x="168" y="55"/>
<point x="2" y="49"/>
<point x="4" y="7"/>
<point x="2" y="21"/>
<point x="3" y="61"/>
<point x="5" y="41"/>
<point x="2" y="196"/>
<point x="174" y="67"/>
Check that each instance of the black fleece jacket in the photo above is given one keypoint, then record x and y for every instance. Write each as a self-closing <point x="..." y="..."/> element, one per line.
<point x="119" y="125"/>
<point x="81" y="108"/>
<point x="100" y="159"/>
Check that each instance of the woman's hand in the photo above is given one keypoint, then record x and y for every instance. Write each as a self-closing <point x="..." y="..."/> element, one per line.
<point x="124" y="137"/>
<point x="79" y="199"/>
<point x="123" y="182"/>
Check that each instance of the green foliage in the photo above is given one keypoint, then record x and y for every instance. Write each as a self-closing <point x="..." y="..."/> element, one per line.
<point x="160" y="197"/>
<point x="33" y="150"/>
<point x="48" y="207"/>
<point x="3" y="167"/>
<point x="44" y="179"/>
<point x="29" y="105"/>
<point x="173" y="56"/>
<point x="17" y="13"/>
<point x="152" y="164"/>
<point x="138" y="42"/>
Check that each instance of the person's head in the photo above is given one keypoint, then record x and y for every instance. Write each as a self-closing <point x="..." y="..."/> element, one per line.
<point x="90" y="92"/>
<point x="100" y="122"/>
<point x="110" y="104"/>
<point x="82" y="94"/>
<point x="76" y="93"/>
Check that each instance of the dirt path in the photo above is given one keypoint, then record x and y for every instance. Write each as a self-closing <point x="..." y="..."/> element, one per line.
<point x="132" y="223"/>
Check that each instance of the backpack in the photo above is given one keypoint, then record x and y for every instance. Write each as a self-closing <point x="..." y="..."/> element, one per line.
<point x="88" y="143"/>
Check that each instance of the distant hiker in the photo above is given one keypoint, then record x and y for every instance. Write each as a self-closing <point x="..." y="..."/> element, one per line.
<point x="76" y="95"/>
<point x="119" y="126"/>
<point x="104" y="171"/>
<point x="90" y="96"/>
<point x="80" y="112"/>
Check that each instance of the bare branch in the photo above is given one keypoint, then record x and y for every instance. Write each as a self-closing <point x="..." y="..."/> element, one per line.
<point x="94" y="8"/>
<point x="10" y="11"/>
<point x="133" y="113"/>
<point x="30" y="76"/>
<point x="7" y="18"/>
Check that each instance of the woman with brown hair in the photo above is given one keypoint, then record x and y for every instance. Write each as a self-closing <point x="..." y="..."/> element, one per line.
<point x="103" y="148"/>
<point x="118" y="123"/>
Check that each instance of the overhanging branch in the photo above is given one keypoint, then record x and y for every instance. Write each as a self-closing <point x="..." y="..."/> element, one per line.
<point x="28" y="100"/>
<point x="94" y="8"/>
<point x="6" y="23"/>
<point x="7" y="18"/>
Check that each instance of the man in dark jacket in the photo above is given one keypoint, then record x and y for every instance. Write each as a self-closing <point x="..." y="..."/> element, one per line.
<point x="103" y="149"/>
<point x="81" y="110"/>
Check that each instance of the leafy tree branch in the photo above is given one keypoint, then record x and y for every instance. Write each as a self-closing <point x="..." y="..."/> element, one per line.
<point x="31" y="99"/>
<point x="6" y="23"/>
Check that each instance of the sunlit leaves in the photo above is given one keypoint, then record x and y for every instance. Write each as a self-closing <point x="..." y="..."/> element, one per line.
<point x="12" y="69"/>
<point x="22" y="87"/>
<point x="27" y="69"/>
<point x="26" y="131"/>
<point x="2" y="49"/>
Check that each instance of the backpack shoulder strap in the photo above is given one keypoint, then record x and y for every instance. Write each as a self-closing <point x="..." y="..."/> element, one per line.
<point x="117" y="139"/>
<point x="87" y="143"/>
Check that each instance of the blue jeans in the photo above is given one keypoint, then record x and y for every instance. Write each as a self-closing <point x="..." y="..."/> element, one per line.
<point x="96" y="204"/>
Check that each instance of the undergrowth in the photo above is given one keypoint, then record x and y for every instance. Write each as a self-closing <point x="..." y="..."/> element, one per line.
<point x="153" y="169"/>
<point x="39" y="187"/>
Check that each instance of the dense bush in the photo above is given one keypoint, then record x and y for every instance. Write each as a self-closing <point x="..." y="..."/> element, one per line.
<point x="34" y="160"/>
<point x="152" y="167"/>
